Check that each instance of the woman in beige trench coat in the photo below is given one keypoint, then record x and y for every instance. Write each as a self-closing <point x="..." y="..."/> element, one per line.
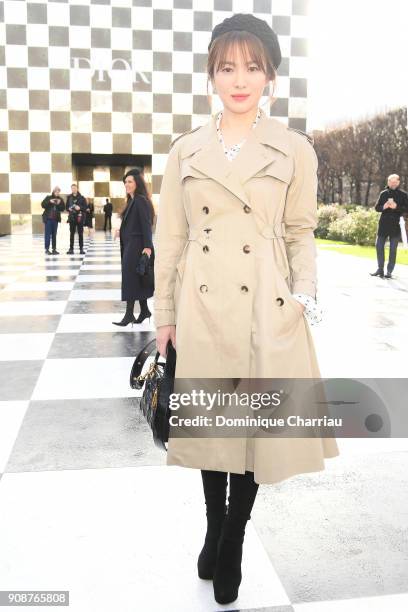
<point x="234" y="245"/>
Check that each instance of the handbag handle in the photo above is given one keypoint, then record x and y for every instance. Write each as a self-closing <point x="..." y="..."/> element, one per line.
<point x="170" y="366"/>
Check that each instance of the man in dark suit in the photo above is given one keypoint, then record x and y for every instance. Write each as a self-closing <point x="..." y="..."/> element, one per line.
<point x="107" y="209"/>
<point x="391" y="203"/>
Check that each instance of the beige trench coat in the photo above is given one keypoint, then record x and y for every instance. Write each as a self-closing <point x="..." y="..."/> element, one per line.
<point x="233" y="241"/>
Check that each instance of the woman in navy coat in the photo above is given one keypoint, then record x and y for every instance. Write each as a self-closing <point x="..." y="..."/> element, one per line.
<point x="135" y="240"/>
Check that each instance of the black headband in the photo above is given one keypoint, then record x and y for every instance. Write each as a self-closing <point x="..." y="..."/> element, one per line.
<point x="248" y="23"/>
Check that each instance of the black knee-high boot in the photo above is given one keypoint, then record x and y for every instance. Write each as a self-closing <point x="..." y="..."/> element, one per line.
<point x="227" y="574"/>
<point x="215" y="493"/>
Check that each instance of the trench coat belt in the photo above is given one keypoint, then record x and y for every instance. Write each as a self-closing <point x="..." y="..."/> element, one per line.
<point x="267" y="231"/>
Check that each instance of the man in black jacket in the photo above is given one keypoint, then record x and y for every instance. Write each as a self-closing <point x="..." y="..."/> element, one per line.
<point x="107" y="209"/>
<point x="391" y="203"/>
<point x="76" y="207"/>
<point x="53" y="205"/>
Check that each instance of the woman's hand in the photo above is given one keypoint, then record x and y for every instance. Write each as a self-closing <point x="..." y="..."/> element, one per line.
<point x="147" y="251"/>
<point x="164" y="333"/>
<point x="116" y="234"/>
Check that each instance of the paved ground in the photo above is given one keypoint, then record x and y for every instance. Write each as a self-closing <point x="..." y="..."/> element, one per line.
<point x="82" y="485"/>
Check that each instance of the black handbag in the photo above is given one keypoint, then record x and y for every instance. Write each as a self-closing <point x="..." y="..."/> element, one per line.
<point x="158" y="384"/>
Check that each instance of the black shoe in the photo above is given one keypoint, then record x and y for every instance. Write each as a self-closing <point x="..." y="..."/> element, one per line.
<point x="227" y="574"/>
<point x="70" y="252"/>
<point x="142" y="316"/>
<point x="208" y="555"/>
<point x="47" y="252"/>
<point x="379" y="273"/>
<point x="82" y="252"/>
<point x="126" y="320"/>
<point x="388" y="275"/>
<point x="55" y="252"/>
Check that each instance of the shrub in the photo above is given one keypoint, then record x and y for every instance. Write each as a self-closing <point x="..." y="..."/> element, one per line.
<point x="326" y="214"/>
<point x="357" y="227"/>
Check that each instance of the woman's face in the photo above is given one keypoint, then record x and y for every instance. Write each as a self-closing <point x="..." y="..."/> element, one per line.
<point x="130" y="185"/>
<point x="239" y="75"/>
<point x="57" y="191"/>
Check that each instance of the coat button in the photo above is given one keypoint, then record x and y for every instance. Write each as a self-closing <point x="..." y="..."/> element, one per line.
<point x="203" y="288"/>
<point x="206" y="210"/>
<point x="206" y="249"/>
<point x="247" y="209"/>
<point x="246" y="248"/>
<point x="280" y="301"/>
<point x="208" y="230"/>
<point x="244" y="289"/>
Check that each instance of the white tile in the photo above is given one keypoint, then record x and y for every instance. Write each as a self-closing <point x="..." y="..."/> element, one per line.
<point x="53" y="272"/>
<point x="386" y="603"/>
<point x="32" y="307"/>
<point x="98" y="278"/>
<point x="92" y="524"/>
<point x="94" y="377"/>
<point x="11" y="417"/>
<point x="77" y="323"/>
<point x="101" y="267"/>
<point x="95" y="258"/>
<point x="14" y="347"/>
<point x="91" y="295"/>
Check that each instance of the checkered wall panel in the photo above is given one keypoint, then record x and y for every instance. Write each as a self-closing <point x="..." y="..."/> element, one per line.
<point x="121" y="76"/>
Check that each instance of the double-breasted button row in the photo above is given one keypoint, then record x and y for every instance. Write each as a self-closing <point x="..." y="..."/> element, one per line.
<point x="204" y="289"/>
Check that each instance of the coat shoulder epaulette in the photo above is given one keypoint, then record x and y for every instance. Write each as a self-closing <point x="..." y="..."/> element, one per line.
<point x="184" y="134"/>
<point x="307" y="136"/>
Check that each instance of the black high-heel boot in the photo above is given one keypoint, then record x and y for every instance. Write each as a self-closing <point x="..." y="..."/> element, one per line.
<point x="208" y="555"/>
<point x="128" y="318"/>
<point x="227" y="573"/>
<point x="144" y="312"/>
<point x="215" y="494"/>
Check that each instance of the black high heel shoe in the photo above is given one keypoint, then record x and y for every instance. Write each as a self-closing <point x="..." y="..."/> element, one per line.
<point x="125" y="321"/>
<point x="142" y="316"/>
<point x="227" y="574"/>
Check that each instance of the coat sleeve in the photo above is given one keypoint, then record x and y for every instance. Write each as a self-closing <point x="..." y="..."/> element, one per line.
<point x="171" y="238"/>
<point x="300" y="218"/>
<point x="380" y="202"/>
<point x="145" y="223"/>
<point x="46" y="202"/>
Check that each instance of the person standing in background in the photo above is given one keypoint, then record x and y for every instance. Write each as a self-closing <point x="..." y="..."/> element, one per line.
<point x="76" y="207"/>
<point x="53" y="206"/>
<point x="108" y="209"/>
<point x="90" y="214"/>
<point x="136" y="239"/>
<point x="391" y="203"/>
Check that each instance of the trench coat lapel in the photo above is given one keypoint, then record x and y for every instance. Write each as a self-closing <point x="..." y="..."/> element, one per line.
<point x="209" y="157"/>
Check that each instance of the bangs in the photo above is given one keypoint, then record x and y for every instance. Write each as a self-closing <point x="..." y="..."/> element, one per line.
<point x="249" y="47"/>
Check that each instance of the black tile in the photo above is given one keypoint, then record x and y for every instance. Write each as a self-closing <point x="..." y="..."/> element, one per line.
<point x="102" y="285"/>
<point x="27" y="296"/>
<point x="83" y="434"/>
<point x="102" y="344"/>
<point x="29" y="324"/>
<point x="18" y="379"/>
<point x="98" y="306"/>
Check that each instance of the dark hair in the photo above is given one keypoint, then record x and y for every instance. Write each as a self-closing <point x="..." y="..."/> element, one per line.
<point x="248" y="45"/>
<point x="74" y="185"/>
<point x="141" y="190"/>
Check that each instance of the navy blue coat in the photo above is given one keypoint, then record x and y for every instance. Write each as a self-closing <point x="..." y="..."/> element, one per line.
<point x="135" y="235"/>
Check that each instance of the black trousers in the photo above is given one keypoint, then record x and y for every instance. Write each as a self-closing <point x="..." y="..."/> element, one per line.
<point x="108" y="221"/>
<point x="72" y="228"/>
<point x="379" y="245"/>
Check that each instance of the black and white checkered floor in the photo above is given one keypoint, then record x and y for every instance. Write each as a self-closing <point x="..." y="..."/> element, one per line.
<point x="86" y="502"/>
